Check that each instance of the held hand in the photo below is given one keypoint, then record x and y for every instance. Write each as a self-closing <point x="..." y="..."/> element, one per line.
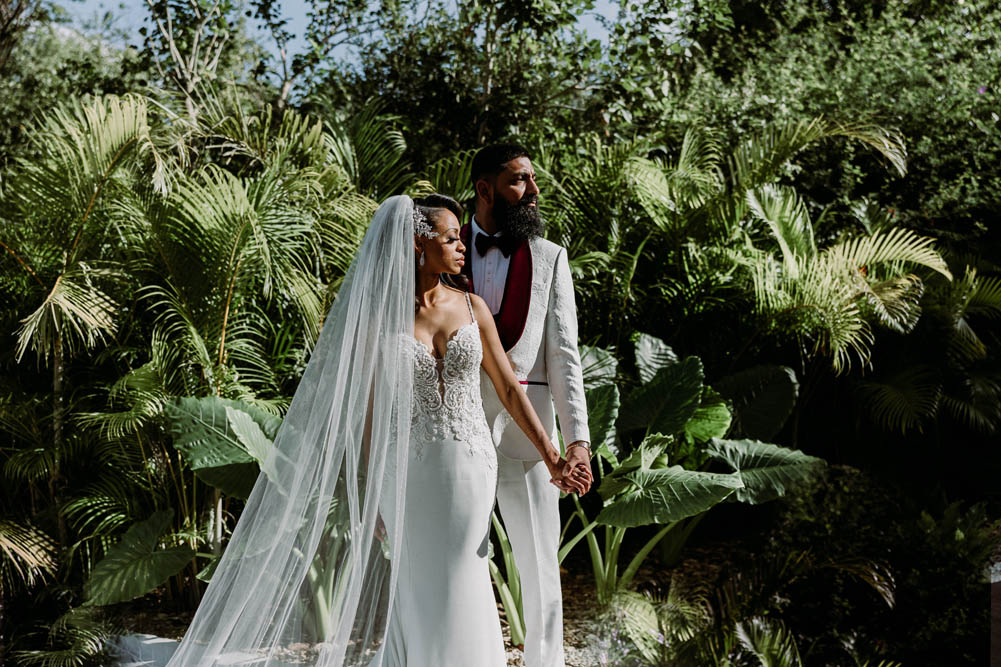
<point x="566" y="483"/>
<point x="573" y="484"/>
<point x="578" y="466"/>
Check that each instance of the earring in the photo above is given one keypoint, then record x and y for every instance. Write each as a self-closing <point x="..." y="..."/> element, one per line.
<point x="421" y="262"/>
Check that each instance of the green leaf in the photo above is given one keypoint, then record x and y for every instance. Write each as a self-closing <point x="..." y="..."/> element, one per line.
<point x="652" y="354"/>
<point x="205" y="574"/>
<point x="787" y="219"/>
<point x="668" y="401"/>
<point x="599" y="366"/>
<point x="763" y="397"/>
<point x="249" y="433"/>
<point x="204" y="435"/>
<point x="666" y="495"/>
<point x="602" y="410"/>
<point x="769" y="641"/>
<point x="711" y="418"/>
<point x="451" y="175"/>
<point x="135" y="566"/>
<point x="640" y="622"/>
<point x="767" y="471"/>
<point x="643" y="457"/>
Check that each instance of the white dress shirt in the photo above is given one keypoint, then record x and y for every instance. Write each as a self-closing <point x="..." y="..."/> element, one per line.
<point x="489" y="271"/>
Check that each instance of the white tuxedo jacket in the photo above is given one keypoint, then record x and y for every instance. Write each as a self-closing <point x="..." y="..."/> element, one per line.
<point x="538" y="327"/>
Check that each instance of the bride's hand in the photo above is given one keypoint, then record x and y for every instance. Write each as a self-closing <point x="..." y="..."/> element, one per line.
<point x="565" y="483"/>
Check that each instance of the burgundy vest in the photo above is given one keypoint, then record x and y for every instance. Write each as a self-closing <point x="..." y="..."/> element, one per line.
<point x="513" y="313"/>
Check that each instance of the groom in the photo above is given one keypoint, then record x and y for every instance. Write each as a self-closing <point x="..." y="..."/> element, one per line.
<point x="525" y="280"/>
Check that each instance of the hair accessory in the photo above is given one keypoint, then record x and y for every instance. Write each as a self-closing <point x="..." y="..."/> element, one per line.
<point x="422" y="226"/>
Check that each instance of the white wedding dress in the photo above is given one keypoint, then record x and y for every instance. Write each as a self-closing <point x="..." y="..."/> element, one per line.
<point x="444" y="613"/>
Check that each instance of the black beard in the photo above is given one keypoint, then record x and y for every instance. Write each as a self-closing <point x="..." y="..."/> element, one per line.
<point x="520" y="220"/>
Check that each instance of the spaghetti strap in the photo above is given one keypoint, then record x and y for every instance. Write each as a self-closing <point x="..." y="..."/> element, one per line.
<point x="470" y="304"/>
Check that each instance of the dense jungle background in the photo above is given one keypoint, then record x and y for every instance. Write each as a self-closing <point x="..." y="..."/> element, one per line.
<point x="783" y="224"/>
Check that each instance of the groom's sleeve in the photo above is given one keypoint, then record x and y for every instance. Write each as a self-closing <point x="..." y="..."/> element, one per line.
<point x="563" y="367"/>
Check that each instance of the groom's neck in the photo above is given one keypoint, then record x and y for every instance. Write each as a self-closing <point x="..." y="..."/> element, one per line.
<point x="485" y="218"/>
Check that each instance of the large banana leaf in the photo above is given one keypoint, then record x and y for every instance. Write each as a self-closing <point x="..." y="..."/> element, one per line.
<point x="599" y="366"/>
<point x="135" y="566"/>
<point x="249" y="433"/>
<point x="668" y="401"/>
<point x="767" y="471"/>
<point x="651" y="453"/>
<point x="652" y="354"/>
<point x="667" y="495"/>
<point x="221" y="455"/>
<point x="763" y="397"/>
<point x="711" y="418"/>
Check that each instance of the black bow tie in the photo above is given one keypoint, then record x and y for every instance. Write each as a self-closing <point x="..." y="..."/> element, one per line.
<point x="507" y="244"/>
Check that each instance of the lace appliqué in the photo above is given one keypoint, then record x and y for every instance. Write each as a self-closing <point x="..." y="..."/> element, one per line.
<point x="447" y="401"/>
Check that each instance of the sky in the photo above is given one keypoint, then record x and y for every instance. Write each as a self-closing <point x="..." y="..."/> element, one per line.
<point x="127" y="16"/>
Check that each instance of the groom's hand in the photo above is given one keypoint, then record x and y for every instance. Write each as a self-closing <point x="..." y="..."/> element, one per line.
<point x="565" y="483"/>
<point x="578" y="467"/>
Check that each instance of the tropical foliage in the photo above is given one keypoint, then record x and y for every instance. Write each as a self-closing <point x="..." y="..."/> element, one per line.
<point x="778" y="218"/>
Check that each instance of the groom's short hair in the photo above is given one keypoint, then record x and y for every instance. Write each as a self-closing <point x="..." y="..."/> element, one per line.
<point x="490" y="160"/>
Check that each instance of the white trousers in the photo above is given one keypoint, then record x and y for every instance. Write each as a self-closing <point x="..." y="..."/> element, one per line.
<point x="529" y="508"/>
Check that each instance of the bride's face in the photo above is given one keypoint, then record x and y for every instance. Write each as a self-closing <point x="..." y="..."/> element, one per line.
<point x="444" y="253"/>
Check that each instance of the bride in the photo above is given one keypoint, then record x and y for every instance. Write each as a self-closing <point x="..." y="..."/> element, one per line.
<point x="364" y="540"/>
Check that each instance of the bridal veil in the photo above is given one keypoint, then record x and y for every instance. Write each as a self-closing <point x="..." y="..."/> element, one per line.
<point x="307" y="566"/>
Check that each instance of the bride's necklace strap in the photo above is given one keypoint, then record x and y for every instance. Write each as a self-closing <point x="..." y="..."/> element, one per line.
<point x="470" y="305"/>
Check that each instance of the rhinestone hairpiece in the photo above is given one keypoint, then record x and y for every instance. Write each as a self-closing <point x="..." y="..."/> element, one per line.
<point x="422" y="226"/>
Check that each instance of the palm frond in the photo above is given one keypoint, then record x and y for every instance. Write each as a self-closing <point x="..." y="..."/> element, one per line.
<point x="785" y="214"/>
<point x="75" y="639"/>
<point x="178" y="327"/>
<point x="369" y="148"/>
<point x="894" y="245"/>
<point x="760" y="159"/>
<point x="103" y="506"/>
<point x="279" y="140"/>
<point x="769" y="641"/>
<point x="978" y="404"/>
<point x="903" y="401"/>
<point x="819" y="305"/>
<point x="896" y="302"/>
<point x="451" y="175"/>
<point x="669" y="193"/>
<point x="82" y="146"/>
<point x="985" y="297"/>
<point x="27" y="555"/>
<point x="76" y="313"/>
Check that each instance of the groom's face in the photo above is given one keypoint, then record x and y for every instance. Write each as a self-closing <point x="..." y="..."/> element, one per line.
<point x="515" y="206"/>
<point x="516" y="184"/>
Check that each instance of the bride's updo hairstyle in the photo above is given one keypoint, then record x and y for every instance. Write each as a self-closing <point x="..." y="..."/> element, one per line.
<point x="432" y="206"/>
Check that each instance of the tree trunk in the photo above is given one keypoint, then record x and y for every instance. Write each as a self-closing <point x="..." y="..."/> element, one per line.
<point x="55" y="477"/>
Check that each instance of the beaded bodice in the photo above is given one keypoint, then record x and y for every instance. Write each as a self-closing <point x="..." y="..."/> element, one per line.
<point x="447" y="400"/>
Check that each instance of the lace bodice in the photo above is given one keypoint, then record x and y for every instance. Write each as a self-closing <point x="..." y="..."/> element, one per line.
<point x="447" y="400"/>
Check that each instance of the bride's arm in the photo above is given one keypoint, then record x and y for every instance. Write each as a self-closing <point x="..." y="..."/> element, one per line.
<point x="498" y="368"/>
